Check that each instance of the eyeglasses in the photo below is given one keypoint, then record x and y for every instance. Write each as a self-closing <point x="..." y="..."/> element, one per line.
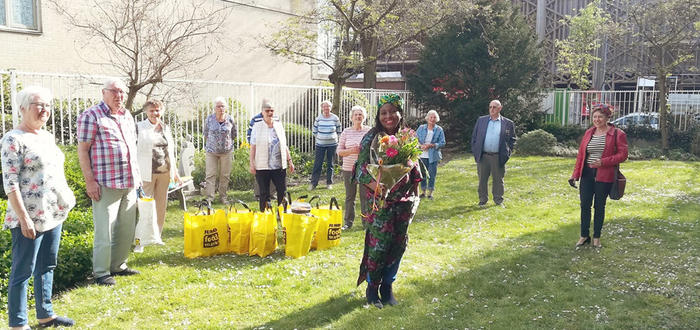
<point x="115" y="91"/>
<point x="44" y="106"/>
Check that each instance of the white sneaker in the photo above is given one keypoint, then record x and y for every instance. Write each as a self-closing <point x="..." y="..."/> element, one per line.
<point x="311" y="187"/>
<point x="330" y="186"/>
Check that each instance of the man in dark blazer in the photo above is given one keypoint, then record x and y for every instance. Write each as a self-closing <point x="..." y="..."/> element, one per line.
<point x="492" y="143"/>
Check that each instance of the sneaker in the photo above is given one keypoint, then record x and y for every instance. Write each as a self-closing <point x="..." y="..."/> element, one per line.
<point x="311" y="187"/>
<point x="347" y="227"/>
<point x="330" y="186"/>
<point x="59" y="321"/>
<point x="422" y="196"/>
<point x="482" y="203"/>
<point x="105" y="280"/>
<point x="430" y="197"/>
<point x="126" y="272"/>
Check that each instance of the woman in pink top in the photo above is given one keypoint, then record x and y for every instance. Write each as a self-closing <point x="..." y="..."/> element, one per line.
<point x="348" y="149"/>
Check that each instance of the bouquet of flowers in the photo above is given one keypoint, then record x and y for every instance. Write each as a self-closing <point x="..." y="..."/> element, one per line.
<point x="392" y="157"/>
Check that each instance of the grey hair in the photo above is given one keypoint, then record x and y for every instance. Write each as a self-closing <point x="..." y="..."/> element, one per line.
<point x="330" y="104"/>
<point x="361" y="108"/>
<point x="116" y="82"/>
<point x="437" y="115"/>
<point x="220" y="99"/>
<point x="267" y="104"/>
<point x="27" y="95"/>
<point x="497" y="102"/>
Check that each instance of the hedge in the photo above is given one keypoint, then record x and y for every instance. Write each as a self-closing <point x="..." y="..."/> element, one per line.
<point x="74" y="254"/>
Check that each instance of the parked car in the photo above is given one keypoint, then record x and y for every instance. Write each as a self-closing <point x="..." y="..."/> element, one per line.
<point x="638" y="119"/>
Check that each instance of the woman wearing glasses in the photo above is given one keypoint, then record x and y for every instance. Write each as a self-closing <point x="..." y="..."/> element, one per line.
<point x="39" y="200"/>
<point x="269" y="155"/>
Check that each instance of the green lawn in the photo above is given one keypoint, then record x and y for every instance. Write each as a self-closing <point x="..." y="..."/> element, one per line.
<point x="465" y="267"/>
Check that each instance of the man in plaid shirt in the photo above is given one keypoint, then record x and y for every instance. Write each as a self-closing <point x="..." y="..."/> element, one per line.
<point x="107" y="154"/>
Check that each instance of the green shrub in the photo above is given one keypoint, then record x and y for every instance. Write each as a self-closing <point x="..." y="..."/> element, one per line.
<point x="564" y="133"/>
<point x="297" y="133"/>
<point x="642" y="132"/>
<point x="74" y="260"/>
<point x="537" y="142"/>
<point x="695" y="146"/>
<point x="682" y="139"/>
<point x="74" y="177"/>
<point x="74" y="255"/>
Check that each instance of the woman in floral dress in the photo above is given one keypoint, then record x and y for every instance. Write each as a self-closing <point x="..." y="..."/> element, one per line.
<point x="386" y="227"/>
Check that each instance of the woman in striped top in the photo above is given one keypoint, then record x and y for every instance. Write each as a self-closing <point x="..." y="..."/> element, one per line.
<point x="348" y="149"/>
<point x="602" y="149"/>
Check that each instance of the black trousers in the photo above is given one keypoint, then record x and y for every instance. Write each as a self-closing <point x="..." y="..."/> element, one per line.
<point x="278" y="178"/>
<point x="596" y="193"/>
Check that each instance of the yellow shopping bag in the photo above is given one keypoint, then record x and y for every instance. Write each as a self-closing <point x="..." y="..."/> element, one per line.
<point x="239" y="222"/>
<point x="330" y="223"/>
<point x="298" y="232"/>
<point x="206" y="234"/>
<point x="263" y="233"/>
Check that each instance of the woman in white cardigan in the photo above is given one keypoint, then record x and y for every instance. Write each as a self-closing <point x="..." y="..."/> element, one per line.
<point x="269" y="155"/>
<point x="156" y="157"/>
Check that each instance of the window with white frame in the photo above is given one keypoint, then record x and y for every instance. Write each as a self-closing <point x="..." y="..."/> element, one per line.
<point x="19" y="15"/>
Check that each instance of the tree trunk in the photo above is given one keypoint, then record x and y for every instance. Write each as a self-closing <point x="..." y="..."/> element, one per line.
<point x="663" y="95"/>
<point x="131" y="95"/>
<point x="337" y="95"/>
<point x="369" y="43"/>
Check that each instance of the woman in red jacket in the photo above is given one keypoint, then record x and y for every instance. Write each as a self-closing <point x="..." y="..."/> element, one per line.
<point x="602" y="148"/>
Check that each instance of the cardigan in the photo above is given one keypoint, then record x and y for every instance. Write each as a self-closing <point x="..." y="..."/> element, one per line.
<point x="144" y="148"/>
<point x="434" y="154"/>
<point x="609" y="159"/>
<point x="260" y="138"/>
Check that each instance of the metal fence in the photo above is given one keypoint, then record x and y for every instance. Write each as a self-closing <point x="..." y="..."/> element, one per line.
<point x="189" y="102"/>
<point x="638" y="107"/>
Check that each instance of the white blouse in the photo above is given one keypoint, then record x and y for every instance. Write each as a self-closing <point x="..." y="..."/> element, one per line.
<point x="33" y="165"/>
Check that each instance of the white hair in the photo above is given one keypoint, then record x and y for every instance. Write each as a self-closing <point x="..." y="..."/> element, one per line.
<point x="220" y="99"/>
<point x="29" y="93"/>
<point x="497" y="103"/>
<point x="116" y="82"/>
<point x="330" y="104"/>
<point x="361" y="108"/>
<point x="431" y="112"/>
<point x="266" y="104"/>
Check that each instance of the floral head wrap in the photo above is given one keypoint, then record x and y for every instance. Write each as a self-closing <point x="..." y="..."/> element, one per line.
<point x="394" y="99"/>
<point x="605" y="109"/>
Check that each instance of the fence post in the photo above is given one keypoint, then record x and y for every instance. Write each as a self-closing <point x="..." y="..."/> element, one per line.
<point x="13" y="97"/>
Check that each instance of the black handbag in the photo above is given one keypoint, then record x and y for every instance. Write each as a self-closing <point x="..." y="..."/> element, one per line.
<point x="617" y="190"/>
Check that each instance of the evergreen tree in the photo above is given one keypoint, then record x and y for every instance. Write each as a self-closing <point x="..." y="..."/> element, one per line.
<point x="493" y="54"/>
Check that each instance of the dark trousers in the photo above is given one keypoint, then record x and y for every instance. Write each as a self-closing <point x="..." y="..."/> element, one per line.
<point x="329" y="154"/>
<point x="490" y="166"/>
<point x="263" y="178"/>
<point x="596" y="193"/>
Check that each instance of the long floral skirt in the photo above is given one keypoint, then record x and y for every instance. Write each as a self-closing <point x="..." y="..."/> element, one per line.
<point x="385" y="238"/>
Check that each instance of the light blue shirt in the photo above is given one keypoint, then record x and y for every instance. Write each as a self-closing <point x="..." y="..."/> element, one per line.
<point x="493" y="135"/>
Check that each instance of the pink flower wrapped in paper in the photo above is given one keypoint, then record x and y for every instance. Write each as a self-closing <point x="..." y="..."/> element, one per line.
<point x="391" y="159"/>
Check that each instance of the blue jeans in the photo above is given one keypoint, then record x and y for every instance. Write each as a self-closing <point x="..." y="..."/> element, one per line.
<point x="389" y="275"/>
<point x="38" y="256"/>
<point x="432" y="172"/>
<point x="329" y="154"/>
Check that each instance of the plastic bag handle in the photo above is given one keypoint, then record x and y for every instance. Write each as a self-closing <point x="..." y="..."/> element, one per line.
<point x="204" y="203"/>
<point x="233" y="205"/>
<point x="315" y="197"/>
<point x="333" y="201"/>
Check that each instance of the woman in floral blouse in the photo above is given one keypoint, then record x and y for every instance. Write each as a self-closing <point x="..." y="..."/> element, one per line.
<point x="386" y="228"/>
<point x="39" y="201"/>
<point x="219" y="136"/>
